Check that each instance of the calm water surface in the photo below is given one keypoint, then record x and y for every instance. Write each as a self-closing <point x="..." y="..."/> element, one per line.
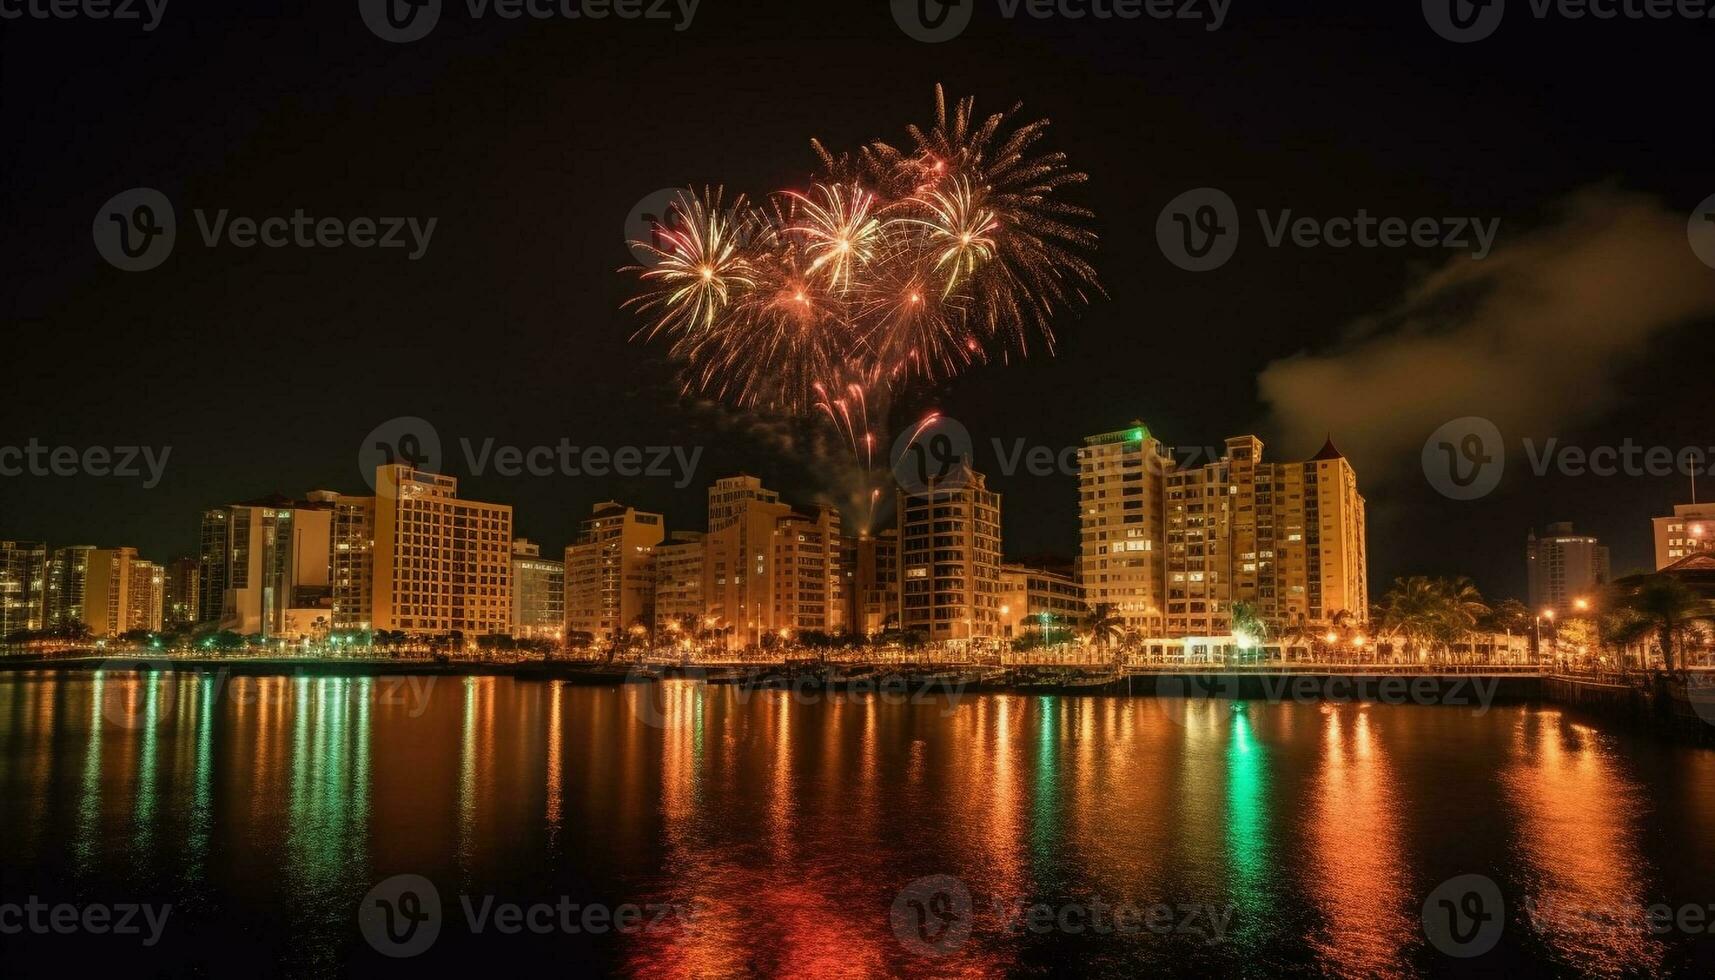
<point x="763" y="835"/>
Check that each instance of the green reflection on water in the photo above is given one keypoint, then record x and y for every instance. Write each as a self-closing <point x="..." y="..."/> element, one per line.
<point x="1247" y="827"/>
<point x="1045" y="813"/>
<point x="89" y="804"/>
<point x="467" y="777"/>
<point x="202" y="800"/>
<point x="144" y="810"/>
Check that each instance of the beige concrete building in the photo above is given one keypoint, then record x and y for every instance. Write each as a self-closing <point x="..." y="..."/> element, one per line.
<point x="870" y="571"/>
<point x="146" y="594"/>
<point x="264" y="563"/>
<point x="1690" y="531"/>
<point x="442" y="564"/>
<point x="538" y="593"/>
<point x="806" y="592"/>
<point x="767" y="569"/>
<point x="118" y="587"/>
<point x="730" y="495"/>
<point x="679" y="581"/>
<point x="1288" y="538"/>
<point x="1121" y="492"/>
<point x="950" y="557"/>
<point x="351" y="559"/>
<point x="68" y="584"/>
<point x="1033" y="599"/>
<point x="1564" y="566"/>
<point x="610" y="572"/>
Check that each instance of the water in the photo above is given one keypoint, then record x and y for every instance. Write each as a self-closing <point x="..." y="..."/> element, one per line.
<point x="752" y="834"/>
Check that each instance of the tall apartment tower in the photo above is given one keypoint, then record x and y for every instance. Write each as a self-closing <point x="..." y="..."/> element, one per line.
<point x="1121" y="480"/>
<point x="768" y="569"/>
<point x="538" y="593"/>
<point x="871" y="573"/>
<point x="441" y="564"/>
<point x="679" y="580"/>
<point x="730" y="495"/>
<point x="1287" y="538"/>
<point x="807" y="594"/>
<point x="146" y="596"/>
<point x="610" y="571"/>
<point x="1690" y="531"/>
<point x="264" y="566"/>
<point x="23" y="586"/>
<point x="950" y="556"/>
<point x="1564" y="566"/>
<point x="112" y="576"/>
<point x="351" y="558"/>
<point x="68" y="583"/>
<point x="181" y="592"/>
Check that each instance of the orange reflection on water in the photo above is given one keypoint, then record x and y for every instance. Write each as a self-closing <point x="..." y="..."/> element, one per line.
<point x="1354" y="831"/>
<point x="1578" y="820"/>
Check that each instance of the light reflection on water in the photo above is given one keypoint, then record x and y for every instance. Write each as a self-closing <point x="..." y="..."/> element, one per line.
<point x="264" y="808"/>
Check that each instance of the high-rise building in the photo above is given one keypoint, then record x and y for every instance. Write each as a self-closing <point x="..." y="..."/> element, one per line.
<point x="806" y="592"/>
<point x="351" y="556"/>
<point x="145" y="596"/>
<point x="441" y="564"/>
<point x="68" y="583"/>
<point x="181" y="592"/>
<point x="23" y="586"/>
<point x="1121" y="489"/>
<point x="117" y="589"/>
<point x="270" y="559"/>
<point x="949" y="557"/>
<point x="610" y="572"/>
<point x="1690" y="531"/>
<point x="679" y="581"/>
<point x="1287" y="538"/>
<point x="1038" y="599"/>
<point x="538" y="593"/>
<point x="729" y="496"/>
<point x="871" y="573"/>
<point x="1564" y="566"/>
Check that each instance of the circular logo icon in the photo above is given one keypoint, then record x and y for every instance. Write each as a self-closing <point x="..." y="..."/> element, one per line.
<point x="933" y="21"/>
<point x="1465" y="916"/>
<point x="401" y="916"/>
<point x="1199" y="230"/>
<point x="1190" y="699"/>
<point x="649" y="217"/>
<point x="137" y="694"/>
<point x="1700" y="691"/>
<point x="929" y="452"/>
<point x="407" y="439"/>
<point x="1701" y="231"/>
<point x="134" y="230"/>
<point x="400" y="21"/>
<point x="932" y="916"/>
<point x="1464" y="459"/>
<point x="1464" y="21"/>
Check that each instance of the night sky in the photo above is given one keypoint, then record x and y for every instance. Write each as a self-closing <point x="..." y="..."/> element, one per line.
<point x="264" y="369"/>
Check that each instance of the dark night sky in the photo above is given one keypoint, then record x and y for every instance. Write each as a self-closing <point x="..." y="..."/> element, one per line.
<point x="264" y="369"/>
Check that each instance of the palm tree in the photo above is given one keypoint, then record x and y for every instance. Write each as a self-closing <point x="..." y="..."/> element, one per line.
<point x="1656" y="605"/>
<point x="1428" y="613"/>
<point x="1248" y="626"/>
<point x="1104" y="625"/>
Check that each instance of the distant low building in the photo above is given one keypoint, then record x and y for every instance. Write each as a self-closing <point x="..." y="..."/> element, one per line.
<point x="1689" y="531"/>
<point x="1564" y="566"/>
<point x="1038" y="598"/>
<point x="538" y="593"/>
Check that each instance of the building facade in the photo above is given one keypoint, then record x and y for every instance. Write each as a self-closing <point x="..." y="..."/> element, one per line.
<point x="68" y="583"/>
<point x="871" y="573"/>
<point x="538" y="593"/>
<point x="679" y="581"/>
<point x="181" y="593"/>
<point x="1690" y="531"/>
<point x="1035" y="599"/>
<point x="950" y="557"/>
<point x="23" y="586"/>
<point x="264" y="566"/>
<point x="441" y="564"/>
<point x="1563" y="567"/>
<point x="769" y="572"/>
<point x="1121" y="493"/>
<point x="610" y="572"/>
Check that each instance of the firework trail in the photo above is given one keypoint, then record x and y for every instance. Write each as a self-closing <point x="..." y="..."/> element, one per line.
<point x="897" y="267"/>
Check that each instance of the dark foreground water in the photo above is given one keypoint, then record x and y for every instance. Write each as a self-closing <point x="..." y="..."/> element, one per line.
<point x="240" y="826"/>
